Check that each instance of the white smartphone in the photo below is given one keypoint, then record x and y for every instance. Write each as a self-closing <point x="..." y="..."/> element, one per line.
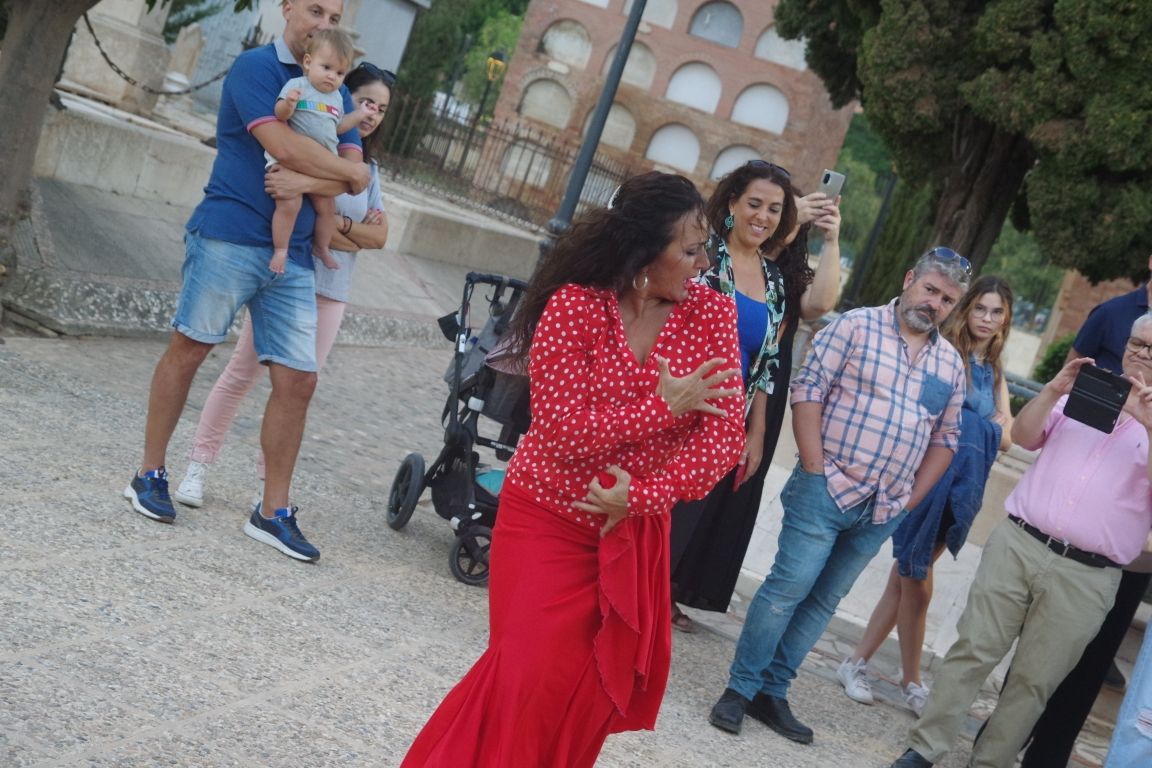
<point x="831" y="183"/>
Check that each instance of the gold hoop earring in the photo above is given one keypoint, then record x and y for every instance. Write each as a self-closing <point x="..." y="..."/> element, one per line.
<point x="643" y="285"/>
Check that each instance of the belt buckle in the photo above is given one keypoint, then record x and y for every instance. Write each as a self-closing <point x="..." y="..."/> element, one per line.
<point x="1067" y="547"/>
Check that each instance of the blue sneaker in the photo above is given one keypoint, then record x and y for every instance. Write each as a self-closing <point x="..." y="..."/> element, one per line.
<point x="149" y="495"/>
<point x="281" y="532"/>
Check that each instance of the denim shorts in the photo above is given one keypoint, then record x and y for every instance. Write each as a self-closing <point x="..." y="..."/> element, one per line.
<point x="220" y="277"/>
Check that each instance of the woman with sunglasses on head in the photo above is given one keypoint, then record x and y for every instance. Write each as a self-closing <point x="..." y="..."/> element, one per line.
<point x="978" y="328"/>
<point x="360" y="223"/>
<point x="759" y="251"/>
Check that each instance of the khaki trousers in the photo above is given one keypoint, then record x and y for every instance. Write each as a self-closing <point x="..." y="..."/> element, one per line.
<point x="1022" y="590"/>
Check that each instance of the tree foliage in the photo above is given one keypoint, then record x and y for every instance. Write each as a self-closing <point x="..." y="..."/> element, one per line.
<point x="985" y="100"/>
<point x="499" y="34"/>
<point x="435" y="45"/>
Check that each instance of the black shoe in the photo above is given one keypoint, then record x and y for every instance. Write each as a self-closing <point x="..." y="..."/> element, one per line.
<point x="775" y="713"/>
<point x="911" y="759"/>
<point x="728" y="713"/>
<point x="1114" y="678"/>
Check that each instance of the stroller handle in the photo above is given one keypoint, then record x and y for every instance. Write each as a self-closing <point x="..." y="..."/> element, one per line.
<point x="496" y="280"/>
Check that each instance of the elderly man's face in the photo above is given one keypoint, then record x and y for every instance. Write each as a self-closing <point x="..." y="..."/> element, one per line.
<point x="1138" y="351"/>
<point x="927" y="300"/>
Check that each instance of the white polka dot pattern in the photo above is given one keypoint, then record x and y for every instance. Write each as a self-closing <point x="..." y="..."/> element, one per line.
<point x="594" y="405"/>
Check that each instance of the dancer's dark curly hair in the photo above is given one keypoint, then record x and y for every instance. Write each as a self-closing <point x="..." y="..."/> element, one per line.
<point x="607" y="247"/>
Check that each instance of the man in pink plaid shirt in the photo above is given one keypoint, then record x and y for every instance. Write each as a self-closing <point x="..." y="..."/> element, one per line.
<point x="876" y="414"/>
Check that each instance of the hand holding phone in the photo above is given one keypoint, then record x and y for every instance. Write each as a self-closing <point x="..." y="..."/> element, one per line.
<point x="1097" y="397"/>
<point x="831" y="184"/>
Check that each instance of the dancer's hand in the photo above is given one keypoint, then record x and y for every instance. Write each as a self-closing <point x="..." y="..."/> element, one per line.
<point x="692" y="392"/>
<point x="607" y="495"/>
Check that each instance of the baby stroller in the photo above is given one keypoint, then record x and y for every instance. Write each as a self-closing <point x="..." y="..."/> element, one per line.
<point x="464" y="491"/>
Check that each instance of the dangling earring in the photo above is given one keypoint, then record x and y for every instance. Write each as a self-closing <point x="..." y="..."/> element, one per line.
<point x="642" y="285"/>
<point x="729" y="222"/>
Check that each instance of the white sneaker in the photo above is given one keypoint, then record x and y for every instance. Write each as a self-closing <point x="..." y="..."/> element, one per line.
<point x="916" y="696"/>
<point x="854" y="678"/>
<point x="191" y="490"/>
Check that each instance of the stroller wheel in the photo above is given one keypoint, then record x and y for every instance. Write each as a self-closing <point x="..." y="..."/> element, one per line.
<point x="405" y="492"/>
<point x="468" y="559"/>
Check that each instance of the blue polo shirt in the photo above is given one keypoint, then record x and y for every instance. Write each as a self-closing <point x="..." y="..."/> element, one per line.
<point x="235" y="207"/>
<point x="1105" y="333"/>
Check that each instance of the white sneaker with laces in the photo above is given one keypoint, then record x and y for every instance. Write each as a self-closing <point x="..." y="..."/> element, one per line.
<point x="191" y="490"/>
<point x="854" y="678"/>
<point x="916" y="696"/>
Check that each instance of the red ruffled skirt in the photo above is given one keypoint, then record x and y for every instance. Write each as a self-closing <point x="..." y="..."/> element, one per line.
<point x="579" y="647"/>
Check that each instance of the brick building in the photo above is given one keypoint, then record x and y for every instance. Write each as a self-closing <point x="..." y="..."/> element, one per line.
<point x="708" y="85"/>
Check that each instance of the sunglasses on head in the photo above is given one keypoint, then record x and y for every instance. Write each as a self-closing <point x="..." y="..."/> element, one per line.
<point x="771" y="167"/>
<point x="386" y="76"/>
<point x="940" y="253"/>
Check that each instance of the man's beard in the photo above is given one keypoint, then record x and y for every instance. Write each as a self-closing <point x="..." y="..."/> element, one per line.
<point x="915" y="320"/>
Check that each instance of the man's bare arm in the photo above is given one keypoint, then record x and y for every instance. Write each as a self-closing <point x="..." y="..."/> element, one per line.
<point x="305" y="155"/>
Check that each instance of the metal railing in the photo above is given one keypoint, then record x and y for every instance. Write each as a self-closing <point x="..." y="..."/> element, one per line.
<point x="1019" y="386"/>
<point x="513" y="170"/>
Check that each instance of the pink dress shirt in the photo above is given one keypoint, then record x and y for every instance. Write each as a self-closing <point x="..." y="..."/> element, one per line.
<point x="1088" y="488"/>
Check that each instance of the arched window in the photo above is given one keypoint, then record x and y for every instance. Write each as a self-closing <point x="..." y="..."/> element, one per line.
<point x="761" y="106"/>
<point x="660" y="13"/>
<point x="789" y="53"/>
<point x="696" y="85"/>
<point x="619" y="130"/>
<point x="568" y="42"/>
<point x="675" y="146"/>
<point x="524" y="162"/>
<point x="639" y="70"/>
<point x="547" y="101"/>
<point x="731" y="158"/>
<point x="719" y="22"/>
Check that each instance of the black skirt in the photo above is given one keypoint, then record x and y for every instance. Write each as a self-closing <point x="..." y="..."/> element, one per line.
<point x="710" y="536"/>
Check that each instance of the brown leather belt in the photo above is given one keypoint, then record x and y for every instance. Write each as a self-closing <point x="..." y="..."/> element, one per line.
<point x="1063" y="548"/>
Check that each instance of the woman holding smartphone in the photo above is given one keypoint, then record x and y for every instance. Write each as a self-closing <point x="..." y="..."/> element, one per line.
<point x="759" y="254"/>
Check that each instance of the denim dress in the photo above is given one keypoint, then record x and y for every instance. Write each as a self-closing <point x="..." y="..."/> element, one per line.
<point x="961" y="488"/>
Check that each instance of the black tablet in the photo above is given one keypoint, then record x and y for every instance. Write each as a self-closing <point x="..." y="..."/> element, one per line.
<point x="1097" y="397"/>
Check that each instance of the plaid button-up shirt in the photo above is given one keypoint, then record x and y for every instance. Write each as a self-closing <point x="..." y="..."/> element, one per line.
<point x="881" y="409"/>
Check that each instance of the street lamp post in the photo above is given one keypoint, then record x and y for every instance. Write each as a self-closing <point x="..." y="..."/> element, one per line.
<point x="563" y="217"/>
<point x="497" y="63"/>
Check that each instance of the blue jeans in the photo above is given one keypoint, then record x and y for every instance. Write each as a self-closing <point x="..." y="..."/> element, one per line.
<point x="820" y="553"/>
<point x="220" y="277"/>
<point x="1132" y="736"/>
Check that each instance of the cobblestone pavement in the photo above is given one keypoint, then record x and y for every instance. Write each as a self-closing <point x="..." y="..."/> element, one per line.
<point x="129" y="643"/>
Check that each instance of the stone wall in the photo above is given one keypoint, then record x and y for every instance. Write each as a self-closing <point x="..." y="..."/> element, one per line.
<point x="556" y="76"/>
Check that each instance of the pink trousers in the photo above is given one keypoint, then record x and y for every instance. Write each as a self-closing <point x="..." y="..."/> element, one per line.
<point x="242" y="373"/>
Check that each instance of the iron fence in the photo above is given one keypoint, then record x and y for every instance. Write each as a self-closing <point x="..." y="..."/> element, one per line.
<point x="509" y="169"/>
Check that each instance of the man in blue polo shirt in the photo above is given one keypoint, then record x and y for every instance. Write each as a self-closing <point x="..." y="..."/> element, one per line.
<point x="228" y="246"/>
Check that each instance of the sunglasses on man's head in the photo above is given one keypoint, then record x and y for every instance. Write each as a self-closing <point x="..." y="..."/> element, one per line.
<point x="940" y="253"/>
<point x="771" y="167"/>
<point x="386" y="76"/>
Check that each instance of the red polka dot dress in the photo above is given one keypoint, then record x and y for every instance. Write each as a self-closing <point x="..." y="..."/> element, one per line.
<point x="579" y="643"/>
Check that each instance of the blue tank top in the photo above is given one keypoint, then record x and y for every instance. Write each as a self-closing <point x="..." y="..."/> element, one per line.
<point x="751" y="325"/>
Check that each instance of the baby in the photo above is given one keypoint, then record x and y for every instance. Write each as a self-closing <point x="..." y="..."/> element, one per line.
<point x="312" y="105"/>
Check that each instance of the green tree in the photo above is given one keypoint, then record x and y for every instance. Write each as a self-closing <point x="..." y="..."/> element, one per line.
<point x="35" y="38"/>
<point x="434" y="48"/>
<point x="499" y="34"/>
<point x="860" y="203"/>
<point x="184" y="13"/>
<point x="1018" y="259"/>
<point x="984" y="100"/>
